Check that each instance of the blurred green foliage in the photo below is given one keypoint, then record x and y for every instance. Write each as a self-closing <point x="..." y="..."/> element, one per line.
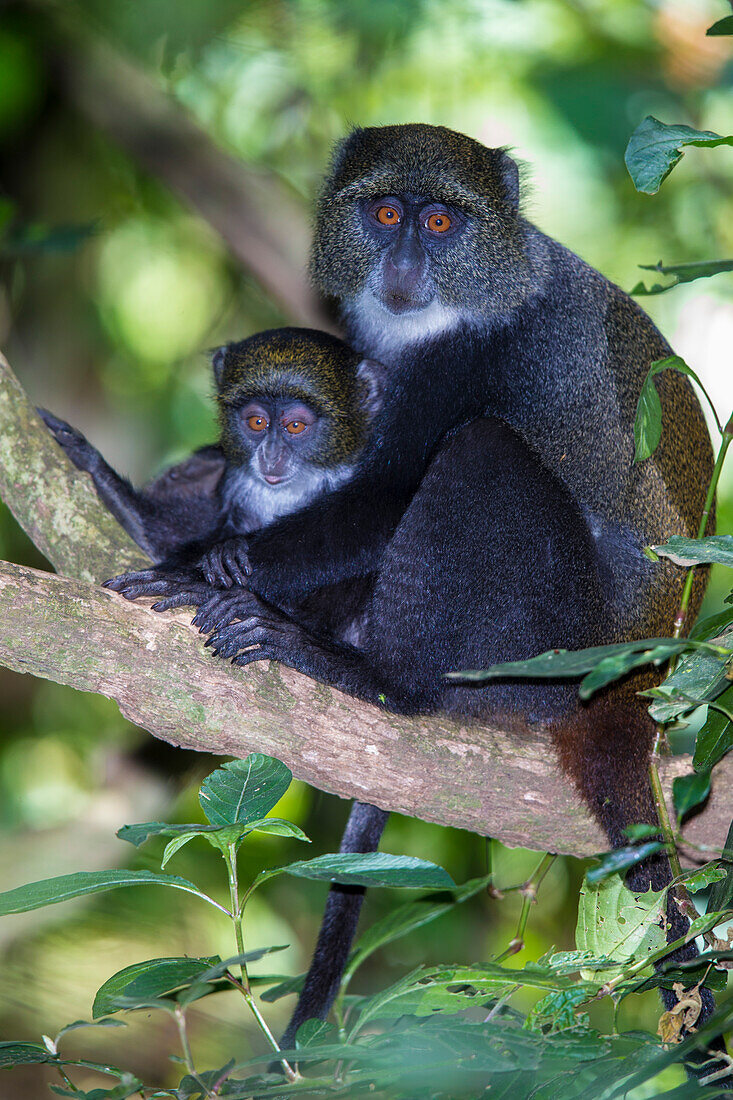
<point x="113" y="333"/>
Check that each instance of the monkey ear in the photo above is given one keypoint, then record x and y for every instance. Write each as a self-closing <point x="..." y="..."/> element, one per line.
<point x="217" y="362"/>
<point x="374" y="377"/>
<point x="509" y="172"/>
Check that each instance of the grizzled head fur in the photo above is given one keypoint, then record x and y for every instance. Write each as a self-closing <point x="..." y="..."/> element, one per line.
<point x="297" y="364"/>
<point x="493" y="265"/>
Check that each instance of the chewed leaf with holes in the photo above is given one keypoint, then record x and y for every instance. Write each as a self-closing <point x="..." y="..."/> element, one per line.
<point x="615" y="922"/>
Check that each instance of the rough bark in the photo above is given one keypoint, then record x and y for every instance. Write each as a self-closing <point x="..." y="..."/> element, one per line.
<point x="66" y="629"/>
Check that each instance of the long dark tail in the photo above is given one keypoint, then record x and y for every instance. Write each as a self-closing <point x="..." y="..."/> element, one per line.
<point x="362" y="834"/>
<point x="605" y="749"/>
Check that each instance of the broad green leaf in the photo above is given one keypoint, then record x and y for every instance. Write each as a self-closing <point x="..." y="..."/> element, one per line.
<point x="202" y="982"/>
<point x="568" y="663"/>
<point x="313" y="1032"/>
<point x="640" y="831"/>
<point x="682" y="551"/>
<point x="615" y="922"/>
<point x="689" y="791"/>
<point x="706" y="876"/>
<point x="372" y="869"/>
<point x="407" y="918"/>
<point x="49" y="891"/>
<point x="148" y="980"/>
<point x="656" y="147"/>
<point x="721" y="895"/>
<point x="244" y="790"/>
<point x="648" y="420"/>
<point x="715" y="737"/>
<point x="698" y="679"/>
<point x="723" y="26"/>
<point x="558" y="1011"/>
<point x="680" y="273"/>
<point x="175" y="845"/>
<point x="23" y="1054"/>
<point x="619" y="859"/>
<point x="138" y="834"/>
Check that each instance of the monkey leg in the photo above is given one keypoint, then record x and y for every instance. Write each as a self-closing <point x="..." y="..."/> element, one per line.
<point x="362" y="834"/>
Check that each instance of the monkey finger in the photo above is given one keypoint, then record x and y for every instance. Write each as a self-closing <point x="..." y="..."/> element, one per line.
<point x="257" y="653"/>
<point x="229" y="558"/>
<point x="184" y="598"/>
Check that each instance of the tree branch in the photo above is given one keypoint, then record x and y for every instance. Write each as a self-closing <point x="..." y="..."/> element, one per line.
<point x="263" y="225"/>
<point x="155" y="666"/>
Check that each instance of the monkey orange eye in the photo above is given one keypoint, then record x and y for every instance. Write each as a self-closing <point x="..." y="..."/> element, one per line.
<point x="438" y="223"/>
<point x="257" y="423"/>
<point x="387" y="215"/>
<point x="295" y="427"/>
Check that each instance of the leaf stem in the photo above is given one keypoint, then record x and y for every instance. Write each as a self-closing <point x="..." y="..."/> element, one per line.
<point x="528" y="891"/>
<point x="230" y="858"/>
<point x="180" y="1018"/>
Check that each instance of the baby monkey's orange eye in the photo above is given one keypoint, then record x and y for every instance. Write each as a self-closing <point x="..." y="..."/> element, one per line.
<point x="257" y="423"/>
<point x="388" y="215"/>
<point x="438" y="223"/>
<point x="295" y="427"/>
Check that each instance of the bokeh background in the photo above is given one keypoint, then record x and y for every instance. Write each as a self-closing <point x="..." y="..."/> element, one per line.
<point x="158" y="163"/>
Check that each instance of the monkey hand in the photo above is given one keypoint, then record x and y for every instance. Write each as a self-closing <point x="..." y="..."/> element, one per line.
<point x="76" y="446"/>
<point x="183" y="587"/>
<point x="227" y="563"/>
<point x="224" y="607"/>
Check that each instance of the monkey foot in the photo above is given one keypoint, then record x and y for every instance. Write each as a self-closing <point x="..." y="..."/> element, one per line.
<point x="223" y="607"/>
<point x="266" y="629"/>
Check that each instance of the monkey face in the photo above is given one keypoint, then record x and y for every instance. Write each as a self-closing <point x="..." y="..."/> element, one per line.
<point x="280" y="437"/>
<point x="418" y="228"/>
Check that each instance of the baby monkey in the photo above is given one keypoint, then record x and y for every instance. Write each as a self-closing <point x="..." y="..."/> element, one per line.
<point x="295" y="406"/>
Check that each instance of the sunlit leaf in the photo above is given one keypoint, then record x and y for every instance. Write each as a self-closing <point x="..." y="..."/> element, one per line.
<point x="22" y="1054"/>
<point x="655" y="148"/>
<point x="244" y="790"/>
<point x="648" y="419"/>
<point x="618" y="923"/>
<point x="706" y="876"/>
<point x="313" y="1032"/>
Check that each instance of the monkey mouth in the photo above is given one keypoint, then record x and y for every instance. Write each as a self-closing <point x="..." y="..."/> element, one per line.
<point x="275" y="479"/>
<point x="396" y="302"/>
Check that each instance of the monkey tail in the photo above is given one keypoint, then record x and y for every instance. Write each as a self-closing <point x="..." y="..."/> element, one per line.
<point x="362" y="834"/>
<point x="605" y="749"/>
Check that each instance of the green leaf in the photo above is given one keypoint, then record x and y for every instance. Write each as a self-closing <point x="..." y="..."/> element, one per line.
<point x="713" y="625"/>
<point x="681" y="273"/>
<point x="49" y="891"/>
<point x="613" y="668"/>
<point x="618" y="923"/>
<point x="283" y="988"/>
<point x="148" y="980"/>
<point x="689" y="791"/>
<point x="128" y="1086"/>
<point x="721" y="895"/>
<point x="202" y="982"/>
<point x="277" y="826"/>
<point x="23" y="1054"/>
<point x="244" y="790"/>
<point x="407" y="918"/>
<point x="723" y="26"/>
<point x="313" y="1032"/>
<point x="87" y="1023"/>
<point x="558" y="1011"/>
<point x="138" y="834"/>
<point x="620" y="858"/>
<point x="640" y="831"/>
<point x="372" y="869"/>
<point x="706" y="876"/>
<point x="715" y="737"/>
<point x="648" y="421"/>
<point x="655" y="148"/>
<point x="713" y="548"/>
<point x="699" y="676"/>
<point x="35" y="239"/>
<point x="568" y="663"/>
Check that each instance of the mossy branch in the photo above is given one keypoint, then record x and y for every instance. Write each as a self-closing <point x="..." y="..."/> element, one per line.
<point x="67" y="629"/>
